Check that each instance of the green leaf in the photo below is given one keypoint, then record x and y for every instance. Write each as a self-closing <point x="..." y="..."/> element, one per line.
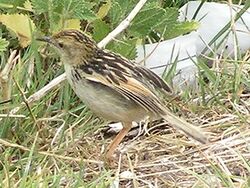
<point x="101" y="29"/>
<point x="104" y="9"/>
<point x="168" y="19"/>
<point x="115" y="14"/>
<point x="79" y="9"/>
<point x="3" y="44"/>
<point x="143" y="23"/>
<point x="119" y="10"/>
<point x="40" y="6"/>
<point x="126" y="47"/>
<point x="59" y="11"/>
<point x="180" y="28"/>
<point x="21" y="25"/>
<point x="159" y="20"/>
<point x="71" y="9"/>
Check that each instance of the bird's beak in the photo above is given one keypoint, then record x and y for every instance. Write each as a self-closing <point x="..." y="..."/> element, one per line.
<point x="45" y="39"/>
<point x="49" y="40"/>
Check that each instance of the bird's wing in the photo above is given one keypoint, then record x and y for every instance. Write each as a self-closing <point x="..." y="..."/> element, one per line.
<point x="136" y="91"/>
<point x="124" y="67"/>
<point x="132" y="89"/>
<point x="138" y="84"/>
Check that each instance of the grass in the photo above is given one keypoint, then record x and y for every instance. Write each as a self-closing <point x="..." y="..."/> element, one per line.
<point x="57" y="142"/>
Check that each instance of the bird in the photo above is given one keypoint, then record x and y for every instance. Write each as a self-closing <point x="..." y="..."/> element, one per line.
<point x="113" y="87"/>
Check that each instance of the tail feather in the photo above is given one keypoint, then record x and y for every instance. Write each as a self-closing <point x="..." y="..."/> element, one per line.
<point x="186" y="127"/>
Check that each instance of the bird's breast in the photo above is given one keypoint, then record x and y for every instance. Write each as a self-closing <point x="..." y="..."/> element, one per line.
<point x="103" y="100"/>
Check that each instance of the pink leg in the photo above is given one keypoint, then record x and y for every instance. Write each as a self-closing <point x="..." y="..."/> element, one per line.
<point x="113" y="145"/>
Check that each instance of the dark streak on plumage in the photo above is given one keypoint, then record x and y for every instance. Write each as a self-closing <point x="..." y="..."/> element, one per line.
<point x="77" y="75"/>
<point x="119" y="74"/>
<point x="153" y="78"/>
<point x="105" y="68"/>
<point x="86" y="69"/>
<point x="110" y="75"/>
<point x="89" y="45"/>
<point x="146" y="102"/>
<point x="78" y="36"/>
<point x="136" y="70"/>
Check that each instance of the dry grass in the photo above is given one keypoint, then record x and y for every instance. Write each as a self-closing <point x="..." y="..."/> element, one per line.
<point x="68" y="152"/>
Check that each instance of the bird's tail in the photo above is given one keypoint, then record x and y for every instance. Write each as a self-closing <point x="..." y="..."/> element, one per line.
<point x="186" y="127"/>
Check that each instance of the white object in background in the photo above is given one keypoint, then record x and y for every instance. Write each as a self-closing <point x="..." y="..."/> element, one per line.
<point x="159" y="56"/>
<point x="212" y="18"/>
<point x="116" y="127"/>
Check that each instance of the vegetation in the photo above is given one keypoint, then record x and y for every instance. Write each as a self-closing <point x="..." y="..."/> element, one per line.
<point x="55" y="141"/>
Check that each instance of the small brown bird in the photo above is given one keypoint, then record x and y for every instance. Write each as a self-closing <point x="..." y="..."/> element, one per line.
<point x="114" y="87"/>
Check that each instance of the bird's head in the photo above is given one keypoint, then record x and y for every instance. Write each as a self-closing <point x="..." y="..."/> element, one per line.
<point x="72" y="44"/>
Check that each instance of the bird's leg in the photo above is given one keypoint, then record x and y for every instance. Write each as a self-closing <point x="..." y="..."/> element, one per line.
<point x="113" y="145"/>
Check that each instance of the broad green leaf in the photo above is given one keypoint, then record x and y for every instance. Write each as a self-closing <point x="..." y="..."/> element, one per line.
<point x="168" y="19"/>
<point x="21" y="25"/>
<point x="162" y="21"/>
<point x="101" y="29"/>
<point x="124" y="47"/>
<point x="158" y="20"/>
<point x="143" y="23"/>
<point x="119" y="10"/>
<point x="40" y="6"/>
<point x="76" y="9"/>
<point x="60" y="11"/>
<point x="3" y="44"/>
<point x="180" y="28"/>
<point x="115" y="14"/>
<point x="84" y="13"/>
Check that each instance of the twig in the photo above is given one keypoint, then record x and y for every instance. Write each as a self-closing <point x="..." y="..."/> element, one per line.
<point x="12" y="116"/>
<point x="5" y="76"/>
<point x="42" y="92"/>
<point x="9" y="144"/>
<point x="123" y="25"/>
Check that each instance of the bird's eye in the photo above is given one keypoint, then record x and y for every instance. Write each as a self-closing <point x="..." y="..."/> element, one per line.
<point x="60" y="44"/>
